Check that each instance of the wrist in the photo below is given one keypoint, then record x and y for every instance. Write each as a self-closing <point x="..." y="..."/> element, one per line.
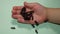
<point x="53" y="15"/>
<point x="49" y="14"/>
<point x="46" y="11"/>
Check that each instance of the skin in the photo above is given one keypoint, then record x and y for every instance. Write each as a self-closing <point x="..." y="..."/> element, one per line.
<point x="40" y="14"/>
<point x="53" y="15"/>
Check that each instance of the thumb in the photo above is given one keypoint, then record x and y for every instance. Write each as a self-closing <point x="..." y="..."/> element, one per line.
<point x="28" y="5"/>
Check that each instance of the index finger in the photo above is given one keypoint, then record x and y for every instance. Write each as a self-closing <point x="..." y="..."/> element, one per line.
<point x="17" y="7"/>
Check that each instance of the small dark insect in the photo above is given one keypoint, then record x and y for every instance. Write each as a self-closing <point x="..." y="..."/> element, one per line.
<point x="36" y="23"/>
<point x="36" y="31"/>
<point x="13" y="28"/>
<point x="23" y="10"/>
<point x="33" y="25"/>
<point x="26" y="15"/>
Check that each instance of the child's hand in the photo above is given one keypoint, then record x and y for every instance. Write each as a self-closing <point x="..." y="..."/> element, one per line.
<point x="39" y="14"/>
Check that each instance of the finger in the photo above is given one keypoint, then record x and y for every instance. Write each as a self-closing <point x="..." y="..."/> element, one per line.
<point x="20" y="20"/>
<point x="14" y="16"/>
<point x="18" y="12"/>
<point x="14" y="12"/>
<point x="29" y="5"/>
<point x="28" y="10"/>
<point x="19" y="16"/>
<point x="17" y="7"/>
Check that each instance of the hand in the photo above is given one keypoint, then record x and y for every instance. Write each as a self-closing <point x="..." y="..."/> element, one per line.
<point x="39" y="14"/>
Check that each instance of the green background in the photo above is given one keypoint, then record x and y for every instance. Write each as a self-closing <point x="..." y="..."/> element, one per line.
<point x="6" y="21"/>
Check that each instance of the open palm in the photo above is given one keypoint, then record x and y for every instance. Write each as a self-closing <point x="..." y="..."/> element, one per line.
<point x="39" y="14"/>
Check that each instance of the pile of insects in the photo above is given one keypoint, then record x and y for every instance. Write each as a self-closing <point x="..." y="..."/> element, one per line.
<point x="28" y="16"/>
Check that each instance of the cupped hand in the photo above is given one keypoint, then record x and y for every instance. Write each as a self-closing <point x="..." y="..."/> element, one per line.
<point x="39" y="14"/>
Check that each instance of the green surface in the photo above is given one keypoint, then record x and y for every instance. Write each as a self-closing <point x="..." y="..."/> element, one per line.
<point x="6" y="21"/>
